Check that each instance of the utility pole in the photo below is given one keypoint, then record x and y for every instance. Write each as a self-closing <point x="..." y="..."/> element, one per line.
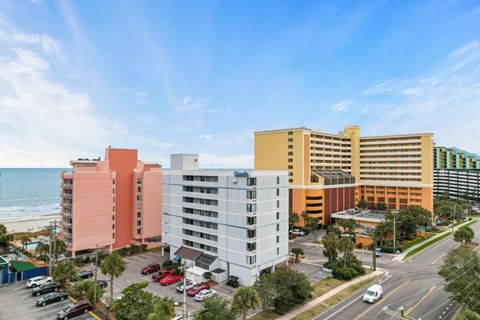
<point x="184" y="291"/>
<point x="374" y="250"/>
<point x="394" y="235"/>
<point x="95" y="282"/>
<point x="55" y="243"/>
<point x="454" y="215"/>
<point x="50" y="251"/>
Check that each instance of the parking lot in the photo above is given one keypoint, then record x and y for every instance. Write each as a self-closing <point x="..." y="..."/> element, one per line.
<point x="132" y="274"/>
<point x="18" y="303"/>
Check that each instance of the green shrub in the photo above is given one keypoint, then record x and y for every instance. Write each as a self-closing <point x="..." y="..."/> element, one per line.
<point x="207" y="275"/>
<point x="167" y="264"/>
<point x="134" y="249"/>
<point x="143" y="247"/>
<point x="344" y="273"/>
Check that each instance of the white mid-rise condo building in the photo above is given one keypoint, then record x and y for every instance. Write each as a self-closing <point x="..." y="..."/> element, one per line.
<point x="227" y="222"/>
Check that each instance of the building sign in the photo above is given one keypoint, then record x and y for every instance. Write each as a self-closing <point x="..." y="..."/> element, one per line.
<point x="241" y="174"/>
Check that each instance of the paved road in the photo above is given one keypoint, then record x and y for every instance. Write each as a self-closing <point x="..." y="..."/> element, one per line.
<point x="414" y="285"/>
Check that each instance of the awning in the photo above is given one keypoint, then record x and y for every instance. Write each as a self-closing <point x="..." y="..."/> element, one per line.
<point x="188" y="253"/>
<point x="20" y="266"/>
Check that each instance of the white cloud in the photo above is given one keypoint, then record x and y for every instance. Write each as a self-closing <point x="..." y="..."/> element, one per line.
<point x="202" y="105"/>
<point x="135" y="92"/>
<point x="242" y="161"/>
<point x="342" y="106"/>
<point x="49" y="45"/>
<point x="445" y="102"/>
<point x="206" y="136"/>
<point x="380" y="88"/>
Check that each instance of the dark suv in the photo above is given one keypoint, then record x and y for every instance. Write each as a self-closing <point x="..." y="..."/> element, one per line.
<point x="85" y="274"/>
<point x="46" y="287"/>
<point x="76" y="309"/>
<point x="233" y="281"/>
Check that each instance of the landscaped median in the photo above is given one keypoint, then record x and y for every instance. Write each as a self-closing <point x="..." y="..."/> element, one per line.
<point x="327" y="292"/>
<point x="419" y="247"/>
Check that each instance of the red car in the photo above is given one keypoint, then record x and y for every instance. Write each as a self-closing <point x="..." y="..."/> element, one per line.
<point x="162" y="274"/>
<point x="198" y="287"/>
<point x="168" y="280"/>
<point x="151" y="268"/>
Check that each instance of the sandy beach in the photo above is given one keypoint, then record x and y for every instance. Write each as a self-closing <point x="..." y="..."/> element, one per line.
<point x="29" y="224"/>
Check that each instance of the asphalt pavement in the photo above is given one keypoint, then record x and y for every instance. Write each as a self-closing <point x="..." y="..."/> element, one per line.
<point x="413" y="285"/>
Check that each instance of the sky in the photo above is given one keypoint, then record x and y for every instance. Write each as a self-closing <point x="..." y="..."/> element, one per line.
<point x="201" y="76"/>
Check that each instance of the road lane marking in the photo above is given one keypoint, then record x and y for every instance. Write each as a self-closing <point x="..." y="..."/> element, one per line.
<point x="435" y="261"/>
<point x="348" y="304"/>
<point x="420" y="301"/>
<point x="383" y="299"/>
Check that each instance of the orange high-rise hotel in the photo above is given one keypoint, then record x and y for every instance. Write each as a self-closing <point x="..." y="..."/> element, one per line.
<point x="329" y="173"/>
<point x="111" y="203"/>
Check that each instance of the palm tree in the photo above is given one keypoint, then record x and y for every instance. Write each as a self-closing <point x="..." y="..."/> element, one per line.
<point x="345" y="246"/>
<point x="25" y="240"/>
<point x="293" y="218"/>
<point x="297" y="252"/>
<point x="246" y="298"/>
<point x="113" y="265"/>
<point x="330" y="243"/>
<point x="60" y="248"/>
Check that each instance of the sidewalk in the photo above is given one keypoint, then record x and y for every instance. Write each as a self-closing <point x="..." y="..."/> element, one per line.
<point x="401" y="256"/>
<point x="292" y="314"/>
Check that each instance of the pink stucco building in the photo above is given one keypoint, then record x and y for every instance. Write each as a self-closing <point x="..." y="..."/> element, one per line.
<point x="111" y="203"/>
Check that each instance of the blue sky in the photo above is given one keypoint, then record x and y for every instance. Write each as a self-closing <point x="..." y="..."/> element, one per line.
<point x="201" y="76"/>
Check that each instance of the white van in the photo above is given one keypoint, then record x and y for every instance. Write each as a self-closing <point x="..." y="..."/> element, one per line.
<point x="374" y="292"/>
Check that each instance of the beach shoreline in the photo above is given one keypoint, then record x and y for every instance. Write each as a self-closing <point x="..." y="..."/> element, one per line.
<point x="30" y="223"/>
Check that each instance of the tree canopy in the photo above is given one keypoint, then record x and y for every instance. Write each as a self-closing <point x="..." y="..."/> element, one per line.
<point x="461" y="271"/>
<point x="463" y="235"/>
<point x="138" y="304"/>
<point x="215" y="308"/>
<point x="5" y="238"/>
<point x="283" y="289"/>
<point x="64" y="272"/>
<point x="245" y="299"/>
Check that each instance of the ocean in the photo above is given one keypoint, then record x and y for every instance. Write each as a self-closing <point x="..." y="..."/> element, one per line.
<point x="29" y="192"/>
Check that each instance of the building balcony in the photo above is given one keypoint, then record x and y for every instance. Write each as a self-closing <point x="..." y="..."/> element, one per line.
<point x="67" y="205"/>
<point x="67" y="195"/>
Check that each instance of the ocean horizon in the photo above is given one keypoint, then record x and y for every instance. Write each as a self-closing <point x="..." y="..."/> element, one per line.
<point x="29" y="192"/>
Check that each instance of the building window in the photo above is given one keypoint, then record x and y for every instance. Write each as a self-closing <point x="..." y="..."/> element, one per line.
<point x="113" y="235"/>
<point x="251" y="181"/>
<point x="251" y="233"/>
<point x="139" y="180"/>
<point x="278" y="215"/>
<point x="251" y="207"/>
<point x="278" y="192"/>
<point x="251" y="259"/>
<point x="113" y="190"/>
<point x="113" y="181"/>
<point x="251" y="220"/>
<point x="290" y="180"/>
<point x="251" y="246"/>
<point x="290" y="146"/>
<point x="278" y="251"/>
<point x="278" y="203"/>
<point x="139" y="206"/>
<point x="278" y="227"/>
<point x="278" y="180"/>
<point x="251" y="194"/>
<point x="113" y="209"/>
<point x="139" y="197"/>
<point x="290" y="133"/>
<point x="139" y="231"/>
<point x="290" y="139"/>
<point x="139" y="222"/>
<point x="278" y="239"/>
<point x="113" y="226"/>
<point x="290" y="167"/>
<point x="139" y="189"/>
<point x="139" y="214"/>
<point x="290" y="160"/>
<point x="113" y="218"/>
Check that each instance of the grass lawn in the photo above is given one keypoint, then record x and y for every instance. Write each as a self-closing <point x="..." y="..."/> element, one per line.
<point x="416" y="241"/>
<point x="425" y="245"/>
<point x="321" y="307"/>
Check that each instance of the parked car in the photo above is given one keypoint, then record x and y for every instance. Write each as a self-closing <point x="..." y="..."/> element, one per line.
<point x="51" y="298"/>
<point x="73" y="310"/>
<point x="188" y="285"/>
<point x="38" y="281"/>
<point x="168" y="280"/>
<point x="102" y="283"/>
<point x="163" y="273"/>
<point x="233" y="281"/>
<point x="151" y="268"/>
<point x="378" y="252"/>
<point x="297" y="232"/>
<point x="374" y="292"/>
<point x="85" y="274"/>
<point x="197" y="288"/>
<point x="45" y="288"/>
<point x="204" y="294"/>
